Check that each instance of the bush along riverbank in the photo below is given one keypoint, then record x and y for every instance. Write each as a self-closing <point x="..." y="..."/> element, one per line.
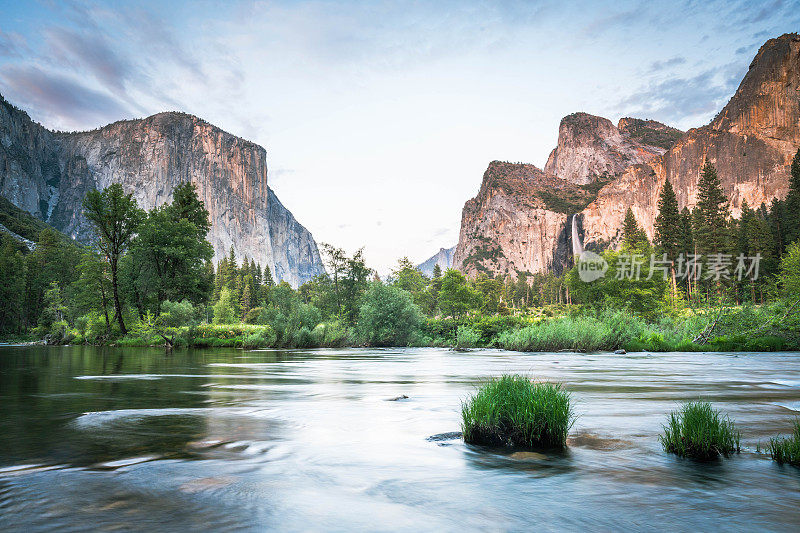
<point x="554" y="329"/>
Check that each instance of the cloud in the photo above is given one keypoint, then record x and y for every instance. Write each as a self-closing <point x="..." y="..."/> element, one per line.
<point x="61" y="100"/>
<point x="600" y="25"/>
<point x="679" y="98"/>
<point x="12" y="45"/>
<point x="94" y="54"/>
<point x="657" y="66"/>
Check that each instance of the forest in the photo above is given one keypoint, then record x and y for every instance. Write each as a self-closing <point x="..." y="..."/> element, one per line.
<point x="708" y="281"/>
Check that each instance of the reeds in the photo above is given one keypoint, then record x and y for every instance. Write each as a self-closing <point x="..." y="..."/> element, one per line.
<point x="699" y="431"/>
<point x="513" y="411"/>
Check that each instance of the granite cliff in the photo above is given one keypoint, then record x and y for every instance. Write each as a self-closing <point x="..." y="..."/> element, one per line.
<point x="521" y="219"/>
<point x="48" y="173"/>
<point x="443" y="258"/>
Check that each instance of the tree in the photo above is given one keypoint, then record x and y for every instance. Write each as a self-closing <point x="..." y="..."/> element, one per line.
<point x="114" y="217"/>
<point x="456" y="296"/>
<point x="349" y="278"/>
<point x="790" y="272"/>
<point x="632" y="234"/>
<point x="713" y="213"/>
<point x="224" y="311"/>
<point x="92" y="290"/>
<point x="12" y="289"/>
<point x="668" y="223"/>
<point x="388" y="316"/>
<point x="409" y="278"/>
<point x="437" y="271"/>
<point x="792" y="203"/>
<point x="172" y="253"/>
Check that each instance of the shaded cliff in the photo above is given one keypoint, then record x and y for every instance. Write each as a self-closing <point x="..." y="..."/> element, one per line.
<point x="443" y="258"/>
<point x="599" y="170"/>
<point x="48" y="175"/>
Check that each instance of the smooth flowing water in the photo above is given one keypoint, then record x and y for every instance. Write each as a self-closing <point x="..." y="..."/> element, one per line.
<point x="136" y="439"/>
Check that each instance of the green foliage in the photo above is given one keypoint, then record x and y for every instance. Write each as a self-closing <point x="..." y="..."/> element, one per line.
<point x="668" y="223"/>
<point x="712" y="213"/>
<point x="388" y="316"/>
<point x="513" y="411"/>
<point x="466" y="337"/>
<point x="699" y="431"/>
<point x="224" y="312"/>
<point x="632" y="234"/>
<point x="456" y="295"/>
<point x="115" y="217"/>
<point x="786" y="450"/>
<point x="263" y="338"/>
<point x="625" y="284"/>
<point x="790" y="272"/>
<point x="175" y="314"/>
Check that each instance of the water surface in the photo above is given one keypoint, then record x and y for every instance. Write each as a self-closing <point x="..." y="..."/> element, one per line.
<point x="132" y="439"/>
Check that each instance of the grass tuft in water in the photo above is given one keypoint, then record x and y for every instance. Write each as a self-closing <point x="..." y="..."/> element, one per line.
<point x="699" y="431"/>
<point x="513" y="411"/>
<point x="786" y="450"/>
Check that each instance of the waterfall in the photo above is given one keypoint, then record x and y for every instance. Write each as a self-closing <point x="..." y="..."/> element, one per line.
<point x="577" y="245"/>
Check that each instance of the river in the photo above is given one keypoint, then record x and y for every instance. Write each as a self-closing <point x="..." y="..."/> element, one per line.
<point x="135" y="439"/>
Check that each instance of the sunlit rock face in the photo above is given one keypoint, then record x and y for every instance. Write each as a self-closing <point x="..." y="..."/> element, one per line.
<point x="751" y="142"/>
<point x="591" y="148"/>
<point x="49" y="173"/>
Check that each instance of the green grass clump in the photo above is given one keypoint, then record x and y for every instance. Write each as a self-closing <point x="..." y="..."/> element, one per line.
<point x="786" y="450"/>
<point x="513" y="411"/>
<point x="699" y="431"/>
<point x="466" y="338"/>
<point x="566" y="333"/>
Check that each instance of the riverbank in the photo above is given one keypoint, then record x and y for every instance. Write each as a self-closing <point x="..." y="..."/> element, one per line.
<point x="764" y="328"/>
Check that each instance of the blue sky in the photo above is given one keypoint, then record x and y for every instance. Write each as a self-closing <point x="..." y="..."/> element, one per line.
<point x="379" y="118"/>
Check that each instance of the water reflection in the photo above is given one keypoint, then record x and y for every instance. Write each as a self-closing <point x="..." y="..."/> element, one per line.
<point x="225" y="439"/>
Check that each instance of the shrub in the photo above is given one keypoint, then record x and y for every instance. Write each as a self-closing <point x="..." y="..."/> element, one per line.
<point x="786" y="450"/>
<point x="566" y="333"/>
<point x="174" y="314"/>
<point x="699" y="431"/>
<point x="263" y="338"/>
<point x="388" y="316"/>
<point x="466" y="337"/>
<point x="513" y="411"/>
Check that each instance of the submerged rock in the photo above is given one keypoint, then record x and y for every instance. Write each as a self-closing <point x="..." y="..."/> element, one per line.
<point x="452" y="435"/>
<point x="396" y="398"/>
<point x="527" y="456"/>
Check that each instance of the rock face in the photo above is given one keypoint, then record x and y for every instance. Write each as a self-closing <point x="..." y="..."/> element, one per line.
<point x="591" y="148"/>
<point x="48" y="175"/>
<point x="751" y="142"/>
<point x="443" y="258"/>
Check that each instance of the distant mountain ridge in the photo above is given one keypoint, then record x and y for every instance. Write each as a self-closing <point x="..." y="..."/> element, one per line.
<point x="48" y="174"/>
<point x="443" y="258"/>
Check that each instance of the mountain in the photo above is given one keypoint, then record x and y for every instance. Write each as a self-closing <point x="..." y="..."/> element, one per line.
<point x="443" y="258"/>
<point x="522" y="218"/>
<point x="48" y="174"/>
<point x="591" y="148"/>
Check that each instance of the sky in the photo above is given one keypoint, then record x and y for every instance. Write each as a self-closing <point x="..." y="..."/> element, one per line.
<point x="379" y="118"/>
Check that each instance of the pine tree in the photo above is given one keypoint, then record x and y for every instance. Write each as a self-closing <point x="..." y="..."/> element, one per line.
<point x="668" y="223"/>
<point x="792" y="202"/>
<point x="713" y="213"/>
<point x="686" y="238"/>
<point x="437" y="271"/>
<point x="632" y="234"/>
<point x="268" y="281"/>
